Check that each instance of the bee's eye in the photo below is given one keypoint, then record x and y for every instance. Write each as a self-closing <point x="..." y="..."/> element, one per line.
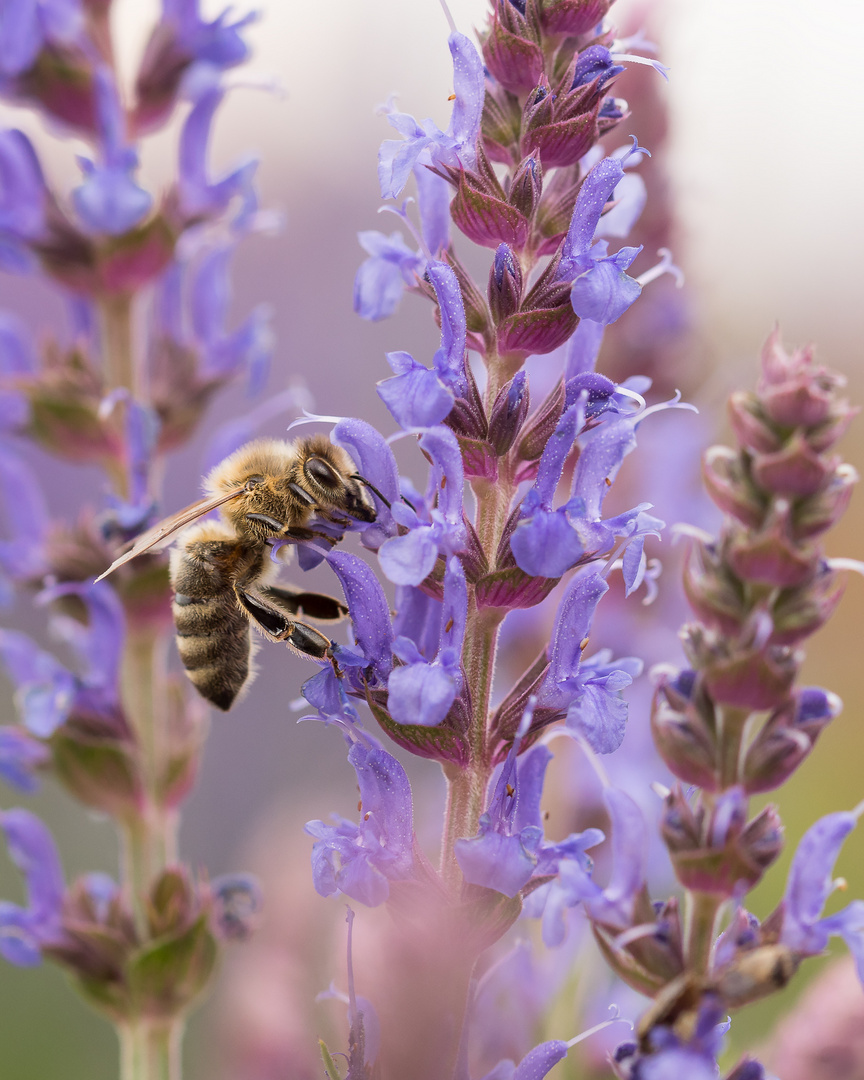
<point x="323" y="474"/>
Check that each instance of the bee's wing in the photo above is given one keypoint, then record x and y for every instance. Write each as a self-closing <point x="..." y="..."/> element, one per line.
<point x="169" y="526"/>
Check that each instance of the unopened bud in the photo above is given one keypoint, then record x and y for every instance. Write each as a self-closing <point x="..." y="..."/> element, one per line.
<point x="527" y="186"/>
<point x="511" y="50"/>
<point x="729" y="485"/>
<point x="787" y="738"/>
<point x="505" y="284"/>
<point x="572" y="16"/>
<point x="795" y="471"/>
<point x="508" y="413"/>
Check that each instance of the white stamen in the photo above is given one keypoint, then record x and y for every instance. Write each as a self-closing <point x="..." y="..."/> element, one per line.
<point x="632" y="58"/>
<point x="449" y="17"/>
<point x="858" y="810"/>
<point x="635" y="933"/>
<point x="313" y="418"/>
<point x="846" y="564"/>
<point x="616" y="1019"/>
<point x="660" y="790"/>
<point x="665" y="266"/>
<point x="681" y="529"/>
<point x="402" y="213"/>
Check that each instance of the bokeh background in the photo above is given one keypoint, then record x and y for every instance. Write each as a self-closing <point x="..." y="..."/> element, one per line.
<point x="765" y="161"/>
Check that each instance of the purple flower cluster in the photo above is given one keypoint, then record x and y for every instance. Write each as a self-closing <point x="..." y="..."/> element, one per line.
<point x="104" y="722"/>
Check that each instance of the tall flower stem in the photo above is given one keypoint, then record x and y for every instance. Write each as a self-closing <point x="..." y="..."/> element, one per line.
<point x="701" y="918"/>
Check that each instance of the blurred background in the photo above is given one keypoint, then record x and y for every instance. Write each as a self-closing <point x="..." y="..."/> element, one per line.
<point x="764" y="160"/>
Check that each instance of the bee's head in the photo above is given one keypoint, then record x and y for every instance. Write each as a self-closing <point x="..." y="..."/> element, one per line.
<point x="327" y="477"/>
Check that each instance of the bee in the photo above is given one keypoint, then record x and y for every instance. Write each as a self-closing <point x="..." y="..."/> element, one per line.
<point x="221" y="571"/>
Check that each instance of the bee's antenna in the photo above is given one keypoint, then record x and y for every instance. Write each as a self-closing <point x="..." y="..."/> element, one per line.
<point x="372" y="488"/>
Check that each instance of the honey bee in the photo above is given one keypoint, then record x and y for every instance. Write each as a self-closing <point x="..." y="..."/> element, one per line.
<point x="221" y="571"/>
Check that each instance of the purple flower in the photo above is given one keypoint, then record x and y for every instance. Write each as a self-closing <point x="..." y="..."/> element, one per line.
<point x="214" y="45"/>
<point x="20" y="756"/>
<point x="418" y="396"/>
<point x="377" y="465"/>
<point x="198" y="197"/>
<point x="25" y="512"/>
<point x="109" y="201"/>
<point x="546" y="541"/>
<point x="362" y="859"/>
<point x="614" y="904"/>
<point x="23" y="931"/>
<point x="509" y="849"/>
<point x="47" y="691"/>
<point x="381" y="278"/>
<point x="601" y="290"/>
<point x="27" y="26"/>
<point x="421" y="692"/>
<point x="426" y="143"/>
<point x="370" y="612"/>
<point x="809" y="886"/>
<point x="249" y="346"/>
<point x="23" y="197"/>
<point x="409" y="558"/>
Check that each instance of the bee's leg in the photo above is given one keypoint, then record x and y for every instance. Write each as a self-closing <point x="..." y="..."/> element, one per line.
<point x="278" y="626"/>
<point x="313" y="605"/>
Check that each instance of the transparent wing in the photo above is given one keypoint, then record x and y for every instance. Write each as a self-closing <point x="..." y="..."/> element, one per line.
<point x="170" y="525"/>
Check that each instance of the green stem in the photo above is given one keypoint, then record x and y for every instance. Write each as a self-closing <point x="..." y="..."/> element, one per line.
<point x="150" y="1051"/>
<point x="732" y="726"/>
<point x="700" y="918"/>
<point x="115" y="313"/>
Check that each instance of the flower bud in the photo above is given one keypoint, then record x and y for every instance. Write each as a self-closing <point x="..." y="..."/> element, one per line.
<point x="684" y="730"/>
<point x="95" y="757"/>
<point x="508" y="413"/>
<point x="565" y="139"/>
<point x="511" y="50"/>
<point x="795" y="470"/>
<point x="505" y="284"/>
<point x="712" y="849"/>
<point x="753" y="430"/>
<point x="801" y="611"/>
<point x="572" y="16"/>
<point x="822" y="511"/>
<point x="787" y="738"/>
<point x="481" y="210"/>
<point x="729" y="485"/>
<point x="527" y="186"/>
<point x="713" y="591"/>
<point x="446" y="743"/>
<point x="500" y="125"/>
<point x="755" y="676"/>
<point x="770" y="557"/>
<point x="541" y="425"/>
<point x="649" y="962"/>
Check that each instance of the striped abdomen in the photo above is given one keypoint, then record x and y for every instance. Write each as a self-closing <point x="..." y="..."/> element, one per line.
<point x="213" y="636"/>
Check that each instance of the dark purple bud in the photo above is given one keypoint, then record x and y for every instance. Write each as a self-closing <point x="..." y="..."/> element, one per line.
<point x="505" y="284"/>
<point x="96" y="759"/>
<point x="728" y="483"/>
<point x="527" y="186"/>
<point x="512" y="588"/>
<point x="511" y="51"/>
<point x="748" y="1069"/>
<point x="508" y="413"/>
<point x="572" y="16"/>
<point x="595" y="63"/>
